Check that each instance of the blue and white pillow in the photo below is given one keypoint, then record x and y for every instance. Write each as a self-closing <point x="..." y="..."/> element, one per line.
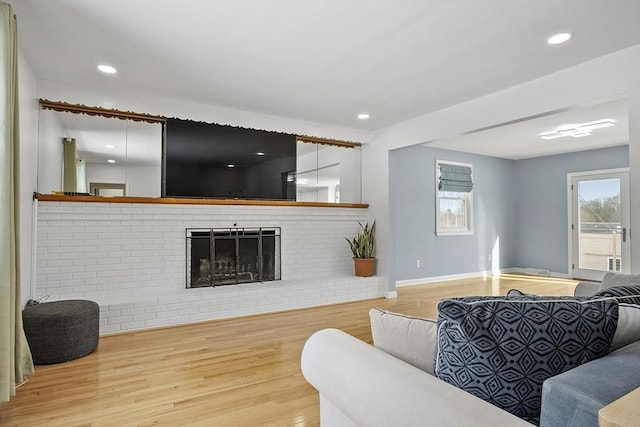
<point x="502" y="349"/>
<point x="629" y="294"/>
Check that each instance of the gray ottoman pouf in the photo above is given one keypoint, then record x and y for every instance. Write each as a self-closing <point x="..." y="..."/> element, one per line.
<point x="59" y="331"/>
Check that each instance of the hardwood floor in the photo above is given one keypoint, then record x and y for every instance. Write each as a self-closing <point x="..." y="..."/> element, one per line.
<point x="237" y="372"/>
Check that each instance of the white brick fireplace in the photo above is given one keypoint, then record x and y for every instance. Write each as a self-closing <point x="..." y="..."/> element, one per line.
<point x="130" y="258"/>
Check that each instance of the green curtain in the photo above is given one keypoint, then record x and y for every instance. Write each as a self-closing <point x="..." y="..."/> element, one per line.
<point x="15" y="357"/>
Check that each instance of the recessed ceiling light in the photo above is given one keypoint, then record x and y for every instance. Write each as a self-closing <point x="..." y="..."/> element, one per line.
<point x="111" y="161"/>
<point x="107" y="69"/>
<point x="559" y="38"/>
<point x="260" y="153"/>
<point x="109" y="146"/>
<point x="363" y="116"/>
<point x="231" y="166"/>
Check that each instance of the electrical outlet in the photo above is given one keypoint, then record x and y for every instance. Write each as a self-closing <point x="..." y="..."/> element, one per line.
<point x="417" y="263"/>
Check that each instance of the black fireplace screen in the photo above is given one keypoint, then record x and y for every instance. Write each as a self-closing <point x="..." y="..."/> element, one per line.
<point x="230" y="256"/>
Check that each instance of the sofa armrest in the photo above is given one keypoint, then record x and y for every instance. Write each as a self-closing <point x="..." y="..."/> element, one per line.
<point x="572" y="399"/>
<point x="374" y="389"/>
<point x="586" y="289"/>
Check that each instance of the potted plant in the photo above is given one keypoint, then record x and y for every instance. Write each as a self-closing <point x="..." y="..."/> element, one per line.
<point x="363" y="246"/>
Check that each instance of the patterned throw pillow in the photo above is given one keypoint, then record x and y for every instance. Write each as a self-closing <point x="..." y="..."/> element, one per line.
<point x="502" y="349"/>
<point x="629" y="294"/>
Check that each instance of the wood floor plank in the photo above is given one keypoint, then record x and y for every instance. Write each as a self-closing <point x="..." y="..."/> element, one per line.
<point x="235" y="372"/>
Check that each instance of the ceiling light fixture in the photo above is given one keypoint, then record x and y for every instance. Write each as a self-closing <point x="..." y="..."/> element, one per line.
<point x="109" y="146"/>
<point x="577" y="131"/>
<point x="260" y="153"/>
<point x="363" y="116"/>
<point x="111" y="161"/>
<point x="231" y="166"/>
<point x="108" y="69"/>
<point x="559" y="38"/>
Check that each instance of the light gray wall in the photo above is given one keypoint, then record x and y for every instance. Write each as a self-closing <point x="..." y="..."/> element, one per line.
<point x="412" y="215"/>
<point x="523" y="203"/>
<point x="541" y="204"/>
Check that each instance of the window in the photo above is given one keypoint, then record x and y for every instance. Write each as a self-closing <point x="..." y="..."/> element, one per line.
<point x="610" y="265"/>
<point x="454" y="198"/>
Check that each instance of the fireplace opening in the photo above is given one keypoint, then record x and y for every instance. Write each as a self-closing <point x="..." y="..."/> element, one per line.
<point x="217" y="257"/>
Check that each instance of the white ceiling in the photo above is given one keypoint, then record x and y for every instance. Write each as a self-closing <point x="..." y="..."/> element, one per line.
<point x="319" y="60"/>
<point x="521" y="140"/>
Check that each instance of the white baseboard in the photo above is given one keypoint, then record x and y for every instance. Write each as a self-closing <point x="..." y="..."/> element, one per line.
<point x="540" y="272"/>
<point x="435" y="279"/>
<point x="391" y="294"/>
<point x="422" y="281"/>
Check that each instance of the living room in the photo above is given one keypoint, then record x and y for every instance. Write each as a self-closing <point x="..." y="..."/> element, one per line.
<point x="385" y="148"/>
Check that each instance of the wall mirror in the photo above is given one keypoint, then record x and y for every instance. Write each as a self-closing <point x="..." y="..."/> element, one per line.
<point x="104" y="156"/>
<point x="107" y="156"/>
<point x="327" y="173"/>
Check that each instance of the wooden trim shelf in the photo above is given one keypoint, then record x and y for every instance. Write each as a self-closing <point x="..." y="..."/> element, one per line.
<point x="327" y="141"/>
<point x="175" y="201"/>
<point x="99" y="111"/>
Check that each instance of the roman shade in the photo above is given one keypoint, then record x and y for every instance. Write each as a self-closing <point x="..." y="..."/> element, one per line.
<point x="455" y="178"/>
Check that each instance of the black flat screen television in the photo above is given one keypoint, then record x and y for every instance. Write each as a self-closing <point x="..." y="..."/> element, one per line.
<point x="204" y="160"/>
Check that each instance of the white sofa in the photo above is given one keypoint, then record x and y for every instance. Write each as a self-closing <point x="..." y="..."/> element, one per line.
<point x="392" y="384"/>
<point x="585" y="289"/>
<point x="360" y="385"/>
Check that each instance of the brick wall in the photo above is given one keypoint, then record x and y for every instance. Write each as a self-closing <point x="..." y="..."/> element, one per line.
<point x="130" y="258"/>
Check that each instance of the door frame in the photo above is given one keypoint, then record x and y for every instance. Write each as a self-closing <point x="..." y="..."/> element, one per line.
<point x="570" y="177"/>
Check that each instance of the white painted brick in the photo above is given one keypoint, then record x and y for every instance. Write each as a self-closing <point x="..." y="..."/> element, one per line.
<point x="119" y="320"/>
<point x="155" y="323"/>
<point x="109" y="329"/>
<point x="144" y="316"/>
<point x="132" y="326"/>
<point x="129" y="311"/>
<point x="128" y="248"/>
<point x="124" y="306"/>
<point x="109" y="313"/>
<point x="162" y="314"/>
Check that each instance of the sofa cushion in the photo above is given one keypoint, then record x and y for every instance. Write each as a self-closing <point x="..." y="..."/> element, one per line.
<point x="618" y="279"/>
<point x="502" y="349"/>
<point x="573" y="398"/>
<point x="629" y="293"/>
<point x="610" y="279"/>
<point x="628" y="329"/>
<point x="410" y="339"/>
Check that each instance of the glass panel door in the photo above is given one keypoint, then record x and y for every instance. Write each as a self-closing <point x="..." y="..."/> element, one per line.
<point x="224" y="268"/>
<point x="248" y="270"/>
<point x="600" y="224"/>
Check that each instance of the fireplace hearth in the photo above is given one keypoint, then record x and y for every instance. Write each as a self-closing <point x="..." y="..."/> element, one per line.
<point x="230" y="256"/>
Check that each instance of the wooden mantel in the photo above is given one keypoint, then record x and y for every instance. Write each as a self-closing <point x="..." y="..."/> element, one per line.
<point x="180" y="201"/>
